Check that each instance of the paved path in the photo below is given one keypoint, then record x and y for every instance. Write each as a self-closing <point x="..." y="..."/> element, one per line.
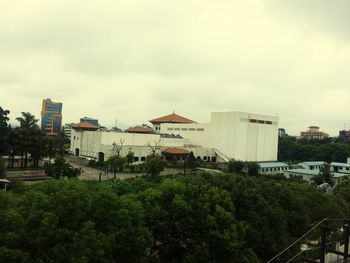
<point x="93" y="174"/>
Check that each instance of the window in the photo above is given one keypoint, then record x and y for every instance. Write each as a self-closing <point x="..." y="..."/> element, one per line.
<point x="184" y="129"/>
<point x="170" y="129"/>
<point x="204" y="158"/>
<point x="191" y="129"/>
<point x="177" y="129"/>
<point x="136" y="159"/>
<point x="200" y="129"/>
<point x="260" y="121"/>
<point x="268" y="122"/>
<point x="253" y="120"/>
<point x="143" y="159"/>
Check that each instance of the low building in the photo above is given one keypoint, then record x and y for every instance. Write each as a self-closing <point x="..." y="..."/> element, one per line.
<point x="175" y="154"/>
<point x="344" y="135"/>
<point x="313" y="133"/>
<point x="340" y="167"/>
<point x="144" y="129"/>
<point x="272" y="168"/>
<point x="90" y="120"/>
<point x="307" y="175"/>
<point x="313" y="165"/>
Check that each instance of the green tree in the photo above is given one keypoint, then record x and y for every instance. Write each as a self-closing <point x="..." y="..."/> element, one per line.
<point x="60" y="168"/>
<point x="154" y="166"/>
<point x="2" y="168"/>
<point x="130" y="157"/>
<point x="4" y="131"/>
<point x="116" y="163"/>
<point x="253" y="169"/>
<point x="235" y="167"/>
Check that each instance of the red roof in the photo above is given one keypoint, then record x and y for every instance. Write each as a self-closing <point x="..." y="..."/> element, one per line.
<point x="139" y="129"/>
<point x="85" y="125"/>
<point x="175" y="150"/>
<point x="172" y="118"/>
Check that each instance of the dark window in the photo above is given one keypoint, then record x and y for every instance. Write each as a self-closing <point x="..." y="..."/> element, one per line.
<point x="260" y="121"/>
<point x="268" y="122"/>
<point x="253" y="120"/>
<point x="136" y="159"/>
<point x="143" y="159"/>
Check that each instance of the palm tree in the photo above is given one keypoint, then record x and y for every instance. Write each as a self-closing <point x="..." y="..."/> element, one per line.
<point x="27" y="128"/>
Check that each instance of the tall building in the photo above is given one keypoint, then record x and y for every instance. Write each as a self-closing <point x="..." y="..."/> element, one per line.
<point x="51" y="116"/>
<point x="313" y="133"/>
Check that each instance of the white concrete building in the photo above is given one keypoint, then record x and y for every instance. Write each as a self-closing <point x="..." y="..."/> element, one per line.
<point x="340" y="167"/>
<point x="229" y="135"/>
<point x="307" y="175"/>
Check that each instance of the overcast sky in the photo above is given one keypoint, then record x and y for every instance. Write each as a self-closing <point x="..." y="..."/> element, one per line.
<point x="134" y="60"/>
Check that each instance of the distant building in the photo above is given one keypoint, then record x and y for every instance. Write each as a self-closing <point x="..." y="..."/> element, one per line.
<point x="313" y="165"/>
<point x="313" y="133"/>
<point x="51" y="116"/>
<point x="307" y="175"/>
<point x="140" y="129"/>
<point x="282" y="133"/>
<point x="171" y="118"/>
<point x="344" y="134"/>
<point x="67" y="130"/>
<point x="272" y="168"/>
<point x="90" y="120"/>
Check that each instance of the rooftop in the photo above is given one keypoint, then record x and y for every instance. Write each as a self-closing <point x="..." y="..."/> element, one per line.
<point x="139" y="129"/>
<point x="85" y="125"/>
<point x="175" y="150"/>
<point x="314" y="172"/>
<point x="347" y="165"/>
<point x="171" y="118"/>
<point x="313" y="163"/>
<point x="272" y="164"/>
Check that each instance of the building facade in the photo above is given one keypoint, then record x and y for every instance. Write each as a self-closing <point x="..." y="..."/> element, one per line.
<point x="90" y="120"/>
<point x="229" y="135"/>
<point x="51" y="116"/>
<point x="313" y="133"/>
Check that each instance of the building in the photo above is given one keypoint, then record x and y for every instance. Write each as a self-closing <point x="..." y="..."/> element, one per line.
<point x="340" y="167"/>
<point x="90" y="120"/>
<point x="144" y="129"/>
<point x="313" y="133"/>
<point x="67" y="130"/>
<point x="314" y="165"/>
<point x="229" y="135"/>
<point x="272" y="168"/>
<point x="307" y="175"/>
<point x="282" y="133"/>
<point x="51" y="116"/>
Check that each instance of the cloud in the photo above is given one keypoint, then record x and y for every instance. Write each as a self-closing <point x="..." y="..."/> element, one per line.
<point x="133" y="60"/>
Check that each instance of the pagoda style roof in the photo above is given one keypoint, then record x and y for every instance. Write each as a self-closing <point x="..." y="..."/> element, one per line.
<point x="85" y="126"/>
<point x="175" y="150"/>
<point x="171" y="118"/>
<point x="140" y="129"/>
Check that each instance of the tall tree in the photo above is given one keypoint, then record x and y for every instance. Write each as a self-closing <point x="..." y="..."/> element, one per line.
<point x="4" y="131"/>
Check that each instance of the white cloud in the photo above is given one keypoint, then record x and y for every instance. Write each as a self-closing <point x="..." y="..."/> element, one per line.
<point x="133" y="60"/>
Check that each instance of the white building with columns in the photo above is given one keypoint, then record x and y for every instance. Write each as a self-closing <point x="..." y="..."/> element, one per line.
<point x="229" y="135"/>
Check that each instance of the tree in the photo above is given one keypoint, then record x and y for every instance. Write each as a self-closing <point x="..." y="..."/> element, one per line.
<point x="60" y="168"/>
<point x="253" y="169"/>
<point x="2" y="168"/>
<point x="116" y="163"/>
<point x="117" y="147"/>
<point x="235" y="167"/>
<point x="154" y="166"/>
<point x="130" y="157"/>
<point x="154" y="147"/>
<point x="324" y="176"/>
<point x="4" y="131"/>
<point x="191" y="161"/>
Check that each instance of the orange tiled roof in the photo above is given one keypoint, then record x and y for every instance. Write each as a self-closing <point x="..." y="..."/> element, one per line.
<point x="85" y="125"/>
<point x="175" y="150"/>
<point x="139" y="129"/>
<point x="171" y="118"/>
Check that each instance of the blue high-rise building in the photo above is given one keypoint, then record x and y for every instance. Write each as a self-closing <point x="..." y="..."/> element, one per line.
<point x="51" y="116"/>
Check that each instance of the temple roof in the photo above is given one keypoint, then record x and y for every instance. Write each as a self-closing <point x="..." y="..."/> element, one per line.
<point x="85" y="125"/>
<point x="171" y="118"/>
<point x="140" y="129"/>
<point x="175" y="150"/>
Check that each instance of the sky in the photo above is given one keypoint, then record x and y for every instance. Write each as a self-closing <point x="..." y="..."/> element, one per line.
<point x="135" y="60"/>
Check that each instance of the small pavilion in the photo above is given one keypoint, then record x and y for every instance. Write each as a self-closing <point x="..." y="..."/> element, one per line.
<point x="175" y="154"/>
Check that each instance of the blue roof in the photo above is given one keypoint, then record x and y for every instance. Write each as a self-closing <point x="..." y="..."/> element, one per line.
<point x="341" y="164"/>
<point x="272" y="164"/>
<point x="314" y="172"/>
<point x="313" y="163"/>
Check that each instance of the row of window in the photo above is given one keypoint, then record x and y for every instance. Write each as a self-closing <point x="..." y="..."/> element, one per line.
<point x="185" y="129"/>
<point x="260" y="121"/>
<point x="274" y="169"/>
<point x="205" y="158"/>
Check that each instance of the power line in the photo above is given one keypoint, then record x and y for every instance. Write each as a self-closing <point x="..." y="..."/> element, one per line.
<point x="308" y="232"/>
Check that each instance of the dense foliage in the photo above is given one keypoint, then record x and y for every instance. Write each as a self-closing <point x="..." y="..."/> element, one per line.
<point x="27" y="140"/>
<point x="181" y="218"/>
<point x="293" y="151"/>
